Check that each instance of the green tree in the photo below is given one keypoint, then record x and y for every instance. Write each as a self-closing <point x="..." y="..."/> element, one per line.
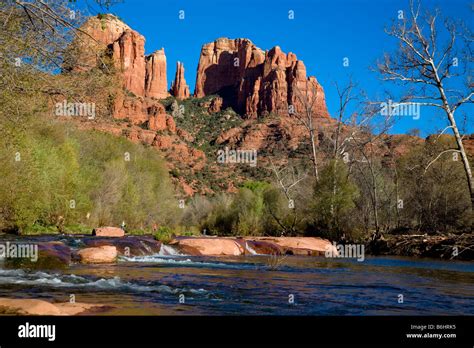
<point x="334" y="196"/>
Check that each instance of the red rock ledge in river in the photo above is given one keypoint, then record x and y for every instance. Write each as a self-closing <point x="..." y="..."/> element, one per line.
<point x="228" y="246"/>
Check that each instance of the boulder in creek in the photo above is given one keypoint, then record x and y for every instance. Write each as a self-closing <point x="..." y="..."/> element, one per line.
<point x="108" y="232"/>
<point x="128" y="245"/>
<point x="101" y="254"/>
<point x="208" y="246"/>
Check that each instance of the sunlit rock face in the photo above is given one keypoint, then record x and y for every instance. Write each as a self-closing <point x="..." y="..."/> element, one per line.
<point x="255" y="82"/>
<point x="106" y="37"/>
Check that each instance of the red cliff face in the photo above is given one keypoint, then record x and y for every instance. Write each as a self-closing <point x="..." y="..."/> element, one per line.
<point x="129" y="58"/>
<point x="156" y="84"/>
<point x="97" y="34"/>
<point x="179" y="88"/>
<point x="144" y="76"/>
<point x="254" y="82"/>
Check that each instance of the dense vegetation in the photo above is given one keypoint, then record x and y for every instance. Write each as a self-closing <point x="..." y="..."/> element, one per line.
<point x="63" y="178"/>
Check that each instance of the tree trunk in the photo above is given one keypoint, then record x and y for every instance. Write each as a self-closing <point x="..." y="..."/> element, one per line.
<point x="457" y="135"/>
<point x="465" y="160"/>
<point x="313" y="149"/>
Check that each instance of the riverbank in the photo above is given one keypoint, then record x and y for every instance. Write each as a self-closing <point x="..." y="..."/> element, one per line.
<point x="56" y="248"/>
<point x="447" y="247"/>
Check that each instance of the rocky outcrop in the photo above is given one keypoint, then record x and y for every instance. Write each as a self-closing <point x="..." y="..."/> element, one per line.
<point x="283" y="134"/>
<point x="300" y="245"/>
<point x="161" y="122"/>
<point x="213" y="104"/>
<point x="264" y="247"/>
<point x="209" y="246"/>
<point x="179" y="88"/>
<point x="101" y="254"/>
<point x="108" y="232"/>
<point x="106" y="37"/>
<point x="88" y="50"/>
<point x="127" y="246"/>
<point x="129" y="57"/>
<point x="156" y="85"/>
<point x="254" y="82"/>
<point x="41" y="307"/>
<point x="214" y="246"/>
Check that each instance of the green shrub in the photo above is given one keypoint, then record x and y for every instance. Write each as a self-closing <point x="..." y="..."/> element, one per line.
<point x="164" y="234"/>
<point x="36" y="229"/>
<point x="78" y="229"/>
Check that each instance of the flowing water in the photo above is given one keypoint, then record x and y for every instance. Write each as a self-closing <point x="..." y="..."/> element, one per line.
<point x="152" y="285"/>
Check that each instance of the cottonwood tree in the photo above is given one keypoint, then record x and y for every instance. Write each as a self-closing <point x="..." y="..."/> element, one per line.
<point x="437" y="72"/>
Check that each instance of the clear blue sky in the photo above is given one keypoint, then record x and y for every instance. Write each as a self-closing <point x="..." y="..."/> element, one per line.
<point x="321" y="34"/>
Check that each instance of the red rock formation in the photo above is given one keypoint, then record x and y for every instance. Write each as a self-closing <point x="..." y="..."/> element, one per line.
<point x="212" y="105"/>
<point x="134" y="109"/>
<point x="225" y="246"/>
<point x="98" y="33"/>
<point x="102" y="254"/>
<point x="129" y="57"/>
<point x="156" y="84"/>
<point x="254" y="82"/>
<point x="106" y="35"/>
<point x="108" y="232"/>
<point x="216" y="105"/>
<point x="179" y="87"/>
<point x="209" y="246"/>
<point x="468" y="142"/>
<point x="162" y="122"/>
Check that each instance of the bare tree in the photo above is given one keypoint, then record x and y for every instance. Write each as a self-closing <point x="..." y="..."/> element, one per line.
<point x="306" y="117"/>
<point x="427" y="66"/>
<point x="287" y="179"/>
<point x="337" y="139"/>
<point x="365" y="146"/>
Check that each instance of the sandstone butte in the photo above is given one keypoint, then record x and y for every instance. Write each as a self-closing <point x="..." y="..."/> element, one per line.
<point x="251" y="81"/>
<point x="254" y="82"/>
